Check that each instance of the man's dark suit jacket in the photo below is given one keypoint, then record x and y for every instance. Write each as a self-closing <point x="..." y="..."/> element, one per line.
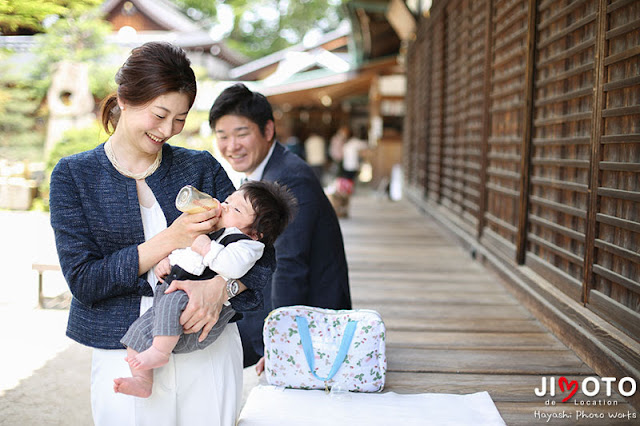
<point x="311" y="265"/>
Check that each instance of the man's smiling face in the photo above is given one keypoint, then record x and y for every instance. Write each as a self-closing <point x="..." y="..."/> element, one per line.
<point x="241" y="143"/>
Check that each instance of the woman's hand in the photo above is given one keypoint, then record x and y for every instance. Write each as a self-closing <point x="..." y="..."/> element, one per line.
<point x="205" y="303"/>
<point x="181" y="234"/>
<point x="186" y="228"/>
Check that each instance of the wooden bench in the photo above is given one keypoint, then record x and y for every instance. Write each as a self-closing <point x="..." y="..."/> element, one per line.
<point x="41" y="268"/>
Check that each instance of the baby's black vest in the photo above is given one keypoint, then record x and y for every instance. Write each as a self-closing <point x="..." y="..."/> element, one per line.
<point x="177" y="273"/>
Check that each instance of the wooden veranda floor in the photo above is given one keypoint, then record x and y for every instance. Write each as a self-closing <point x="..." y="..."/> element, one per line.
<point x="452" y="326"/>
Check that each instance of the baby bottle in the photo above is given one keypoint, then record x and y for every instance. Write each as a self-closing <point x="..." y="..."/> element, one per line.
<point x="190" y="200"/>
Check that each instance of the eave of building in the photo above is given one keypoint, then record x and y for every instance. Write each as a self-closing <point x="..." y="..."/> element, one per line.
<point x="260" y="68"/>
<point x="309" y="89"/>
<point x="373" y="34"/>
<point x="23" y="45"/>
<point x="163" y="13"/>
<point x="203" y="40"/>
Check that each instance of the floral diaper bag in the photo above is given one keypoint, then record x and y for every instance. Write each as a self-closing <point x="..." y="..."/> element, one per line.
<point x="313" y="348"/>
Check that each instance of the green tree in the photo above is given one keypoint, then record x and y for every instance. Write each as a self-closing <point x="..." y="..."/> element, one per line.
<point x="21" y="135"/>
<point x="72" y="142"/>
<point x="77" y="37"/>
<point x="261" y="27"/>
<point x="29" y="15"/>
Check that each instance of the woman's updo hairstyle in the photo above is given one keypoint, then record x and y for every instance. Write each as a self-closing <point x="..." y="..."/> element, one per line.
<point x="153" y="69"/>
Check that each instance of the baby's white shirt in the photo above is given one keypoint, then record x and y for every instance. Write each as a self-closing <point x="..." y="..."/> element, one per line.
<point x="231" y="261"/>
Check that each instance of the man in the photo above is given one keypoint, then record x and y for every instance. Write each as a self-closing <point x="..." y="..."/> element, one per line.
<point x="311" y="265"/>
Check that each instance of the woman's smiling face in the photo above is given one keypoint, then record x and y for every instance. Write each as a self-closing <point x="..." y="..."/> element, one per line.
<point x="149" y="126"/>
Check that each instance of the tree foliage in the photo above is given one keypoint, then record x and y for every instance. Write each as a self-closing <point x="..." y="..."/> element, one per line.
<point x="21" y="136"/>
<point x="261" y="27"/>
<point x="29" y="15"/>
<point x="78" y="37"/>
<point x="77" y="34"/>
<point x="72" y="142"/>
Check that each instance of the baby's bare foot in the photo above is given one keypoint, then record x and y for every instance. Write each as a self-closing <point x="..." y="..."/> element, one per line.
<point x="134" y="386"/>
<point x="146" y="360"/>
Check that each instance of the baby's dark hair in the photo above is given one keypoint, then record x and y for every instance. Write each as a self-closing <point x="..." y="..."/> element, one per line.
<point x="274" y="207"/>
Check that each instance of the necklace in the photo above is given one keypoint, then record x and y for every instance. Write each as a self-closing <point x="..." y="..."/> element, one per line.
<point x="108" y="149"/>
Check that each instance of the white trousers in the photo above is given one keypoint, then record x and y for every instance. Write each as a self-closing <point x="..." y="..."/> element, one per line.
<point x="199" y="388"/>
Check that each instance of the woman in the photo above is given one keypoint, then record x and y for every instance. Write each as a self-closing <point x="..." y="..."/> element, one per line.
<point x="114" y="218"/>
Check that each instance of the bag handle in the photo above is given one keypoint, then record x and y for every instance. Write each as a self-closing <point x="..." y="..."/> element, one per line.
<point x="307" y="345"/>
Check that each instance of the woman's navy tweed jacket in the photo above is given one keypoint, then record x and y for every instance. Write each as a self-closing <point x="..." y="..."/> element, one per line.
<point x="95" y="215"/>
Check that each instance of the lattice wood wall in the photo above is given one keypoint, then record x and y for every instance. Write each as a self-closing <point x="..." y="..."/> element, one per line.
<point x="523" y="121"/>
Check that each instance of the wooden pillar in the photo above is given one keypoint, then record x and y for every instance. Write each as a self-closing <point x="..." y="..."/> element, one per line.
<point x="486" y="117"/>
<point x="525" y="151"/>
<point x="426" y="61"/>
<point x="374" y="98"/>
<point x="442" y="106"/>
<point x="596" y="132"/>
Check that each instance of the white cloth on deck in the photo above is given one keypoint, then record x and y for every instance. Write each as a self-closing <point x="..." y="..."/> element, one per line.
<point x="270" y="405"/>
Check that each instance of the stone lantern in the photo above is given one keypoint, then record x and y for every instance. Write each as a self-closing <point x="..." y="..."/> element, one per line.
<point x="70" y="101"/>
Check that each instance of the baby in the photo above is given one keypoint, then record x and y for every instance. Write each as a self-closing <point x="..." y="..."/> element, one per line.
<point x="251" y="217"/>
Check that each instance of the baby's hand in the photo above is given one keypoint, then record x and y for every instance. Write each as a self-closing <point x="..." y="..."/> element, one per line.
<point x="201" y="245"/>
<point x="162" y="269"/>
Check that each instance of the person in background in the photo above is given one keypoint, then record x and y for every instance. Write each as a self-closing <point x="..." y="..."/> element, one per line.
<point x="294" y="145"/>
<point x="114" y="218"/>
<point x="311" y="264"/>
<point x="351" y="153"/>
<point x="336" y="145"/>
<point x="316" y="154"/>
<point x="346" y="181"/>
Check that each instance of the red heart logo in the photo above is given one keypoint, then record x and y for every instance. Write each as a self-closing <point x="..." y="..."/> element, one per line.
<point x="571" y="386"/>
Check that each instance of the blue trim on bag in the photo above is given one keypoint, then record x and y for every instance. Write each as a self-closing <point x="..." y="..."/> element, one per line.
<point x="307" y="345"/>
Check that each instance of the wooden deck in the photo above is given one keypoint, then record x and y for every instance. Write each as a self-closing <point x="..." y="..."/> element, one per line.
<point x="452" y="326"/>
